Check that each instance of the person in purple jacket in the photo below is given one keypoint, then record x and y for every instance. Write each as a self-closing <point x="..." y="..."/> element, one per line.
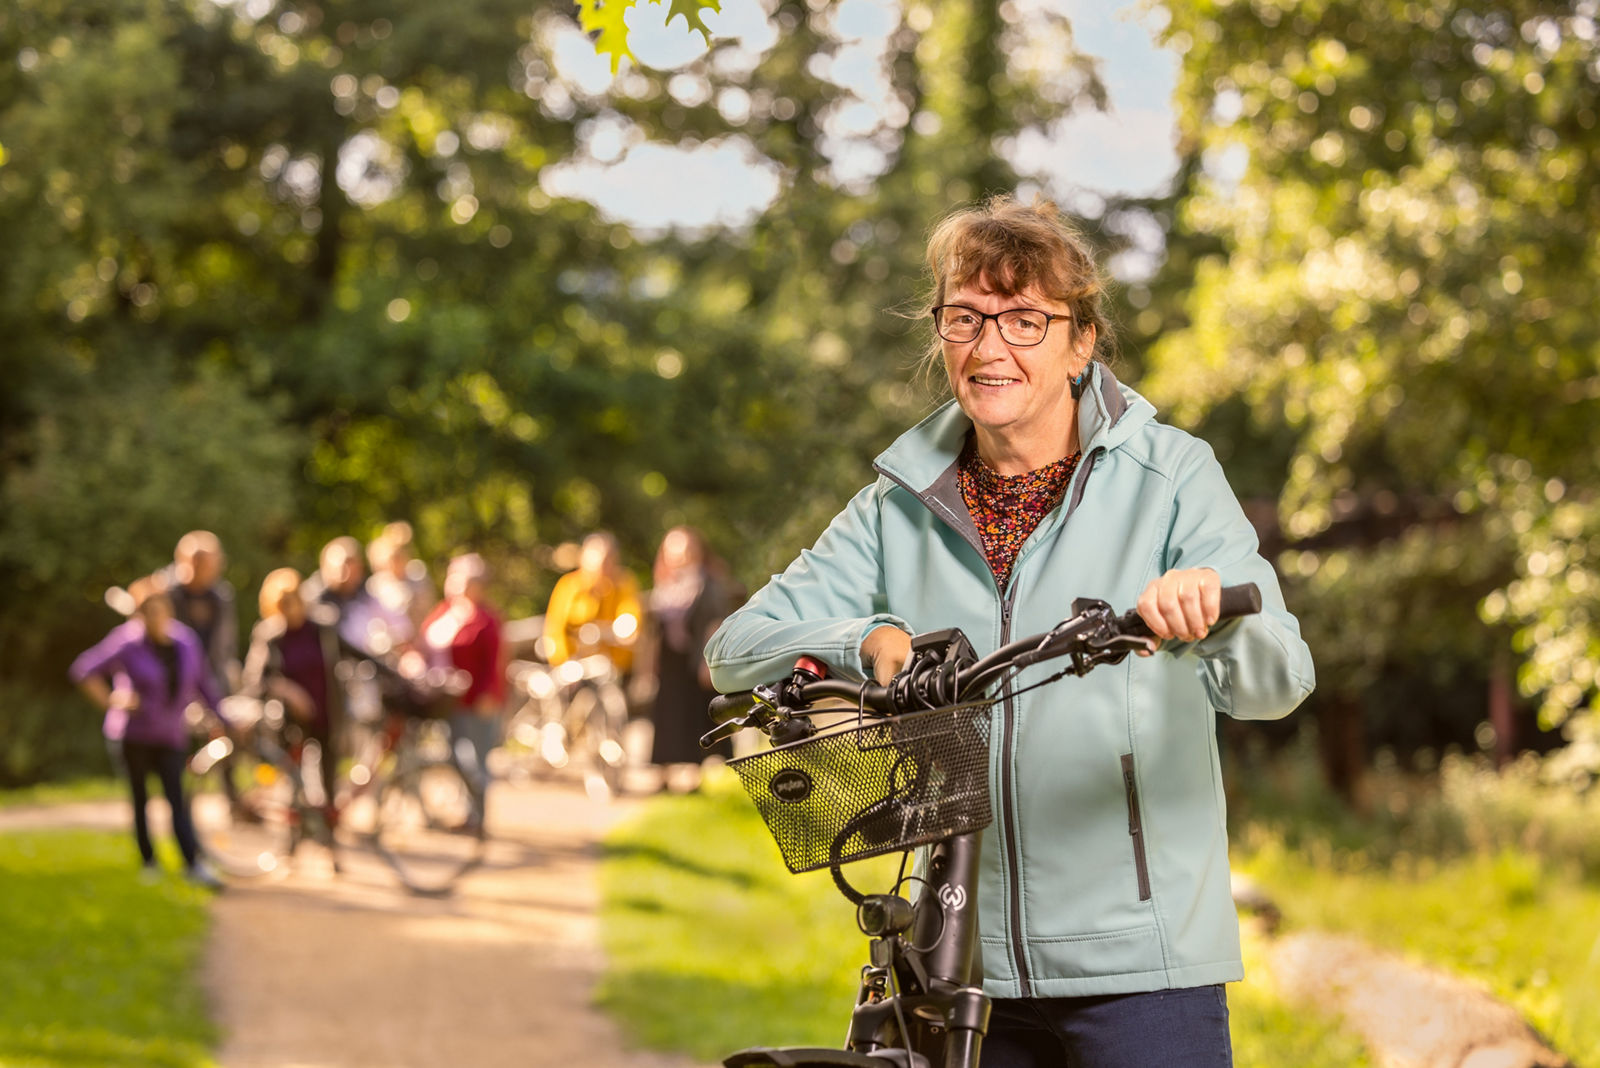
<point x="160" y="669"/>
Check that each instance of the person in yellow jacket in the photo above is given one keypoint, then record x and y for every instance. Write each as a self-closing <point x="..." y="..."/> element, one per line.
<point x="594" y="609"/>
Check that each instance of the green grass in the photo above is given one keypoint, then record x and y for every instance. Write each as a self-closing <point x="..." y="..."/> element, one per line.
<point x="97" y="968"/>
<point x="57" y="793"/>
<point x="712" y="945"/>
<point x="1528" y="931"/>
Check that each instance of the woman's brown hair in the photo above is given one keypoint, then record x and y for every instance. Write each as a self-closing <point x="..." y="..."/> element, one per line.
<point x="1005" y="247"/>
<point x="274" y="587"/>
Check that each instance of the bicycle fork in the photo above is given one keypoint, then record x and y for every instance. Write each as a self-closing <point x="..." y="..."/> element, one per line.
<point x="935" y="993"/>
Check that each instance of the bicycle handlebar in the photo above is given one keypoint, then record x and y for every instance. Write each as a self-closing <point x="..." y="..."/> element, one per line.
<point x="1093" y="635"/>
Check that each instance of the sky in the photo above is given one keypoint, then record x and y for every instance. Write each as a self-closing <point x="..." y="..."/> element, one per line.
<point x="1127" y="149"/>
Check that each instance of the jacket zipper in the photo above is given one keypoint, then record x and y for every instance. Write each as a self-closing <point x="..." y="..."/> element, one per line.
<point x="1013" y="852"/>
<point x="1136" y="827"/>
<point x="1007" y="739"/>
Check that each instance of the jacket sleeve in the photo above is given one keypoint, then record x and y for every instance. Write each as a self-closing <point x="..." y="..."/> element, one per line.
<point x="102" y="658"/>
<point x="822" y="605"/>
<point x="556" y="616"/>
<point x="261" y="663"/>
<point x="1257" y="667"/>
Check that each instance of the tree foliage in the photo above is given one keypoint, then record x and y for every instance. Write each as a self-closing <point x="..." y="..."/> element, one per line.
<point x="292" y="269"/>
<point x="1405" y="199"/>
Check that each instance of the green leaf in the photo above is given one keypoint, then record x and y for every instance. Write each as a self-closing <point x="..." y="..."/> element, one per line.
<point x="690" y="10"/>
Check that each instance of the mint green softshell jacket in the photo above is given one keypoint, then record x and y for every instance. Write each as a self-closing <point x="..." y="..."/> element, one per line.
<point x="1106" y="868"/>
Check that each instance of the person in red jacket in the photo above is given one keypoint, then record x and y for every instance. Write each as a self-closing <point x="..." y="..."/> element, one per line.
<point x="463" y="633"/>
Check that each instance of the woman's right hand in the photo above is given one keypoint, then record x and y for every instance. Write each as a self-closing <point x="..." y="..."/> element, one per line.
<point x="127" y="700"/>
<point x="884" y="651"/>
<point x="294" y="697"/>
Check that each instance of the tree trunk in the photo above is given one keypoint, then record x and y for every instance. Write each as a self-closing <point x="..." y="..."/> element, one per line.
<point x="1501" y="714"/>
<point x="1341" y="736"/>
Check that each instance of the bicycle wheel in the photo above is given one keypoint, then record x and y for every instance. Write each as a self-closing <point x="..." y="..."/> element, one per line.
<point x="253" y="832"/>
<point x="425" y="826"/>
<point x="600" y="711"/>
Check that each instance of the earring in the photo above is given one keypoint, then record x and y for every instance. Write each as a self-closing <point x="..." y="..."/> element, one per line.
<point x="1082" y="380"/>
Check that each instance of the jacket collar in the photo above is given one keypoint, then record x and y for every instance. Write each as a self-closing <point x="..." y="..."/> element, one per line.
<point x="1108" y="414"/>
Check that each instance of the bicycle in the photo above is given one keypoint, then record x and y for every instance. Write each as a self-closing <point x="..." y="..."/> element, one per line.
<point x="907" y="767"/>
<point x="404" y="795"/>
<point x="252" y="830"/>
<point x="575" y="708"/>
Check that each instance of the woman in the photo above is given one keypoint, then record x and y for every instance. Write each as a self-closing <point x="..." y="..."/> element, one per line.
<point x="399" y="581"/>
<point x="687" y="603"/>
<point x="463" y="634"/>
<point x="594" y="609"/>
<point x="1043" y="480"/>
<point x="160" y="667"/>
<point x="293" y="658"/>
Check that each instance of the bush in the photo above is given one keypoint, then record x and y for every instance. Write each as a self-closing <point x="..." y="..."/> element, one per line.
<point x="1463" y="808"/>
<point x="47" y="736"/>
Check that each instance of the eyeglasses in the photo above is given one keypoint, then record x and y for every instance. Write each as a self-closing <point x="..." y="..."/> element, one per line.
<point x="1018" y="326"/>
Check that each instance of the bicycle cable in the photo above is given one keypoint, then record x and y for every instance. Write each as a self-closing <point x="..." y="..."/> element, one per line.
<point x="900" y="1015"/>
<point x="913" y="878"/>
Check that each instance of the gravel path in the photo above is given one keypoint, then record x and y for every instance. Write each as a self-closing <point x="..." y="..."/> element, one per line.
<point x="349" y="971"/>
<point x="322" y="971"/>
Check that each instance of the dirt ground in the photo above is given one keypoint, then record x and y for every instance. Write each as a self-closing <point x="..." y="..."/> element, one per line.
<point x="315" y="970"/>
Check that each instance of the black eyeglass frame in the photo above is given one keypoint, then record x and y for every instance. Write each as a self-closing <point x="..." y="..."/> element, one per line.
<point x="984" y="317"/>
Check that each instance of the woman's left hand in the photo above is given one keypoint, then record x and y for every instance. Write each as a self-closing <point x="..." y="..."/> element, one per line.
<point x="1182" y="604"/>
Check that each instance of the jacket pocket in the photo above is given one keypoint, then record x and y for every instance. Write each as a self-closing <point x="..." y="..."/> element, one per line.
<point x="1135" y="826"/>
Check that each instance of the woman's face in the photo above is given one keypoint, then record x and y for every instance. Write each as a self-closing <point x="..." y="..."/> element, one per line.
<point x="597" y="557"/>
<point x="292" y="608"/>
<point x="1018" y="393"/>
<point x="156" y="613"/>
<point x="678" y="550"/>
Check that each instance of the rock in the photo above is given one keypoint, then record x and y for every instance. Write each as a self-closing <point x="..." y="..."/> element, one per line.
<point x="1410" y="1016"/>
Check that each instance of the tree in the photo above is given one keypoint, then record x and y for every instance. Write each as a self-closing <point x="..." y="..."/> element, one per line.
<point x="1405" y="196"/>
<point x="330" y="219"/>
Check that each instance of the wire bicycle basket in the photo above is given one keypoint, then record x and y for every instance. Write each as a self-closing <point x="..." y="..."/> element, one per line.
<point x="868" y="787"/>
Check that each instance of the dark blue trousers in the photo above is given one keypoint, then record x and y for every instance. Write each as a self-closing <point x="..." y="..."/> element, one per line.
<point x="142" y="759"/>
<point x="1186" y="1027"/>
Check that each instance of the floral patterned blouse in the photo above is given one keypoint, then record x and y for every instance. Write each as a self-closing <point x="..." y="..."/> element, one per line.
<point x="1007" y="508"/>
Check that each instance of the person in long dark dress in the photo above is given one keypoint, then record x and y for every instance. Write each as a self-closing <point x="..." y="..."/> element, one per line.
<point x="687" y="604"/>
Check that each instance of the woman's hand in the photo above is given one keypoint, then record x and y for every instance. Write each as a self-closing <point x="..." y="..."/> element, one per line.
<point x="1182" y="604"/>
<point x="294" y="697"/>
<point x="885" y="651"/>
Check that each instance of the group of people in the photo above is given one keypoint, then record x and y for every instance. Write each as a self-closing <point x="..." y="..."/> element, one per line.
<point x="377" y="603"/>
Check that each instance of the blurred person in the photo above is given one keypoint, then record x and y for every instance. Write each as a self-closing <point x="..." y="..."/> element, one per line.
<point x="204" y="601"/>
<point x="293" y="658"/>
<point x="340" y="585"/>
<point x="687" y="603"/>
<point x="159" y="668"/>
<point x="400" y="581"/>
<point x="462" y="633"/>
<point x="594" y="609"/>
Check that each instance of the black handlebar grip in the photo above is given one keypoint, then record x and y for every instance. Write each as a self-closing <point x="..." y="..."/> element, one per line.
<point x="1242" y="600"/>
<point x="731" y="705"/>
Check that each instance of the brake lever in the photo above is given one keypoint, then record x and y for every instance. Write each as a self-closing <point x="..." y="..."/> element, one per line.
<point x="1113" y="649"/>
<point x="769" y="715"/>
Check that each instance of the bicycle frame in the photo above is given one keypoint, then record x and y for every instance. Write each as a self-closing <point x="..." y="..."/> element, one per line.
<point x="920" y="996"/>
